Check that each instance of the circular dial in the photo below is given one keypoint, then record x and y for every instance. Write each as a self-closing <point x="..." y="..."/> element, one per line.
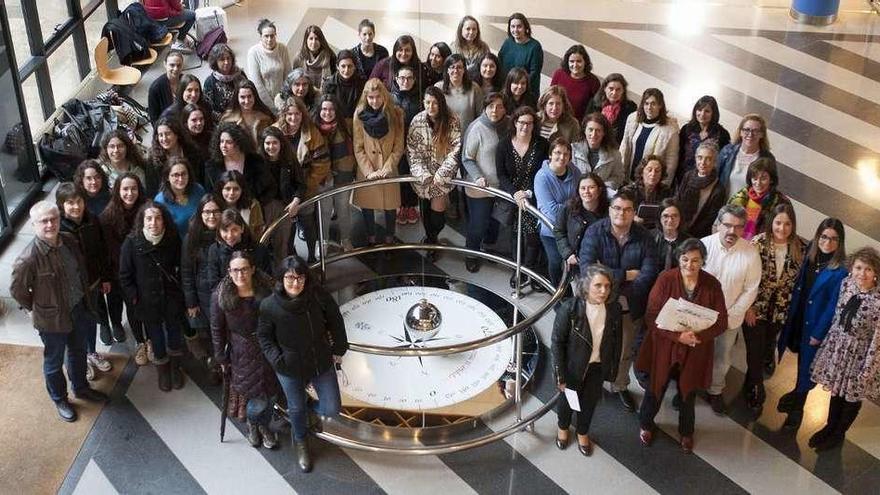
<point x="416" y="382"/>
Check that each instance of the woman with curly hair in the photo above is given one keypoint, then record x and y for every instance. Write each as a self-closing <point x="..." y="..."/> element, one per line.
<point x="232" y="149"/>
<point x="249" y="111"/>
<point x="169" y="141"/>
<point x="225" y="76"/>
<point x="119" y="155"/>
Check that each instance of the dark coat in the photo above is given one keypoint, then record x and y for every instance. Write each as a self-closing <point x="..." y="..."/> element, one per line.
<point x="150" y="277"/>
<point x="300" y="336"/>
<point x="661" y="349"/>
<point x="663" y="247"/>
<point x="114" y="235"/>
<point x="194" y="274"/>
<point x="701" y="225"/>
<point x="39" y="284"/>
<point x="817" y="309"/>
<point x="159" y="97"/>
<point x="569" y="230"/>
<point x="91" y="240"/>
<point x="726" y="160"/>
<point x="600" y="246"/>
<point x="234" y="334"/>
<point x="572" y="342"/>
<point x="260" y="182"/>
<point x="626" y="108"/>
<point x="219" y="254"/>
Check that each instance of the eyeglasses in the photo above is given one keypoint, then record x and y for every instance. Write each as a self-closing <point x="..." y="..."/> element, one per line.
<point x="456" y="68"/>
<point x="406" y="78"/>
<point x="239" y="271"/>
<point x="178" y="175"/>
<point x="295" y="279"/>
<point x="823" y="237"/>
<point x="211" y="213"/>
<point x="525" y="123"/>
<point x="751" y="131"/>
<point x="620" y="209"/>
<point x="731" y="226"/>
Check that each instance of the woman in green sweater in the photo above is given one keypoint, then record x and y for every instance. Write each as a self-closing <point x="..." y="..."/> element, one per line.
<point x="521" y="50"/>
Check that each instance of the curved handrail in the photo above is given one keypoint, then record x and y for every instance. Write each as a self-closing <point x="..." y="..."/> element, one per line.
<point x="445" y="448"/>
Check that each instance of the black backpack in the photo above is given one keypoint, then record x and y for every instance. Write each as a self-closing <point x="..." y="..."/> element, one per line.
<point x="76" y="136"/>
<point x="128" y="44"/>
<point x="136" y="17"/>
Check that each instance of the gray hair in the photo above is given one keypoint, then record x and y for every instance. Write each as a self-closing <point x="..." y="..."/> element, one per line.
<point x="729" y="209"/>
<point x="708" y="146"/>
<point x="583" y="283"/>
<point x="41" y="208"/>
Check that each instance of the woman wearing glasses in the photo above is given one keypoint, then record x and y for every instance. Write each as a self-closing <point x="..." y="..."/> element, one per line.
<point x="302" y="334"/>
<point x="749" y="143"/>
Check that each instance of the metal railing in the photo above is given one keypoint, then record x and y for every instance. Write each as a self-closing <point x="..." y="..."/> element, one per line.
<point x="515" y="330"/>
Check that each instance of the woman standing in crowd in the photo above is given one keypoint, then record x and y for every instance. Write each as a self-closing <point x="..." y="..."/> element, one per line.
<point x="700" y="194"/>
<point x="463" y="97"/>
<point x="201" y="234"/>
<point x="345" y="85"/>
<point x="149" y="273"/>
<point x="119" y="155"/>
<point x="588" y="204"/>
<point x="189" y="92"/>
<point x="90" y="178"/>
<point x="846" y="363"/>
<point x="312" y="156"/>
<point x="329" y="121"/>
<point x="197" y="128"/>
<point x="315" y="56"/>
<point x="486" y="75"/>
<point x="298" y="84"/>
<point x="702" y="128"/>
<point x="248" y="111"/>
<point x="232" y="192"/>
<point x="367" y="53"/>
<point x="612" y="101"/>
<point x="518" y="159"/>
<point x="557" y="117"/>
<point x="378" y="147"/>
<point x="302" y="335"/>
<point x="516" y="91"/>
<point x="750" y="142"/>
<point x="234" y="235"/>
<point x="235" y="309"/>
<point x="117" y="221"/>
<point x="232" y="149"/>
<point x="433" y="65"/>
<point x="478" y="157"/>
<point x="403" y="54"/>
<point x="77" y="220"/>
<point x="555" y="183"/>
<point x="267" y="62"/>
<point x="575" y="75"/>
<point x="408" y="100"/>
<point x="288" y="190"/>
<point x="782" y="253"/>
<point x="468" y="42"/>
<point x="225" y="77"/>
<point x="521" y="50"/>
<point x="586" y="351"/>
<point x="811" y="312"/>
<point x="162" y="90"/>
<point x="760" y="196"/>
<point x="179" y="194"/>
<point x="598" y="152"/>
<point x="649" y="190"/>
<point x="668" y="235"/>
<point x="650" y="131"/>
<point x="433" y="145"/>
<point x="682" y="354"/>
<point x="169" y="143"/>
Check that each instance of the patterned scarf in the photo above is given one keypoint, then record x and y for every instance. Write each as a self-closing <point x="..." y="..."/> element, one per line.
<point x="754" y="207"/>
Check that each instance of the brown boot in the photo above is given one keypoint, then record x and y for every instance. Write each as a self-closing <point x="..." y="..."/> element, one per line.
<point x="164" y="371"/>
<point x="176" y="373"/>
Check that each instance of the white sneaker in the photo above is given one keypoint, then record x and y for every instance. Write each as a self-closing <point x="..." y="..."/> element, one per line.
<point x="90" y="372"/>
<point x="99" y="362"/>
<point x="179" y="46"/>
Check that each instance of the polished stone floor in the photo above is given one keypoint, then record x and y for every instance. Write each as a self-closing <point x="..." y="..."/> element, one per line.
<point x="819" y="88"/>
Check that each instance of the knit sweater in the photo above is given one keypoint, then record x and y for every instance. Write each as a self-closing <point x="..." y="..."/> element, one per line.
<point x="267" y="69"/>
<point x="528" y="55"/>
<point x="466" y="105"/>
<point x="552" y="193"/>
<point x="478" y="155"/>
<point x="579" y="91"/>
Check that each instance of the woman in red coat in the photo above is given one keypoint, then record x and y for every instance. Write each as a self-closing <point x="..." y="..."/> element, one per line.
<point x="684" y="356"/>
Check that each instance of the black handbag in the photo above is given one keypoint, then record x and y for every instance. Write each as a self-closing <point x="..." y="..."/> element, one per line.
<point x="504" y="211"/>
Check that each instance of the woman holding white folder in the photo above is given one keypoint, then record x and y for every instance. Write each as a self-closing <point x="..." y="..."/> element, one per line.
<point x="586" y="349"/>
<point x="683" y="355"/>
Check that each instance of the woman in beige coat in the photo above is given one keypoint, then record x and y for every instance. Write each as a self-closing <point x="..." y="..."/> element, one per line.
<point x="378" y="147"/>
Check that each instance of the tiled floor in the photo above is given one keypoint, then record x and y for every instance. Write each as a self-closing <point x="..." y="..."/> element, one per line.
<point x="819" y="89"/>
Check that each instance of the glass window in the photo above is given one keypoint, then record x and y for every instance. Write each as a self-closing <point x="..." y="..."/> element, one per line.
<point x="53" y="15"/>
<point x="18" y="33"/>
<point x="64" y="72"/>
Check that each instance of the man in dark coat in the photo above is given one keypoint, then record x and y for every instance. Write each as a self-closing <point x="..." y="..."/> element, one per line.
<point x="49" y="280"/>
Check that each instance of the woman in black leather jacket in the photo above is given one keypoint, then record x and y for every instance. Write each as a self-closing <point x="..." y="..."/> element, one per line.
<point x="586" y="350"/>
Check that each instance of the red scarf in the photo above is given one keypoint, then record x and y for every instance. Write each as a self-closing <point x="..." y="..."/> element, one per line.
<point x="611" y="111"/>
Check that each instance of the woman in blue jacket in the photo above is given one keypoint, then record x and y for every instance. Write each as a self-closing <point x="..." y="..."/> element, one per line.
<point x="812" y="309"/>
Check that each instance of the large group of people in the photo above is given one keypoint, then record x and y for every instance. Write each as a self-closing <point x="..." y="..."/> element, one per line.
<point x="644" y="211"/>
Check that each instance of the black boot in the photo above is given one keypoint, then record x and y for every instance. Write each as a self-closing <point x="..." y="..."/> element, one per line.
<point x="106" y="337"/>
<point x="118" y="332"/>
<point x="303" y="458"/>
<point x="176" y="373"/>
<point x="164" y="371"/>
<point x="796" y="413"/>
<point x="849" y="412"/>
<point x="786" y="401"/>
<point x="834" y="409"/>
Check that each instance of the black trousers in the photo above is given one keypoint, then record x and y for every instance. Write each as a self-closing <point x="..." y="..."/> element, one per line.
<point x="651" y="405"/>
<point x="588" y="397"/>
<point x="115" y="300"/>
<point x="757" y="339"/>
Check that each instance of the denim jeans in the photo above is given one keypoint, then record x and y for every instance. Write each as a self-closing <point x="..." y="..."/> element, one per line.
<point x="187" y="17"/>
<point x="329" y="401"/>
<point x="166" y="338"/>
<point x="481" y="227"/>
<point x="73" y="345"/>
<point x="554" y="259"/>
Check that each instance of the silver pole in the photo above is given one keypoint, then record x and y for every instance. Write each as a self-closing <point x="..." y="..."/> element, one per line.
<point x="516" y="290"/>
<point x="516" y="294"/>
<point x="321" y="242"/>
